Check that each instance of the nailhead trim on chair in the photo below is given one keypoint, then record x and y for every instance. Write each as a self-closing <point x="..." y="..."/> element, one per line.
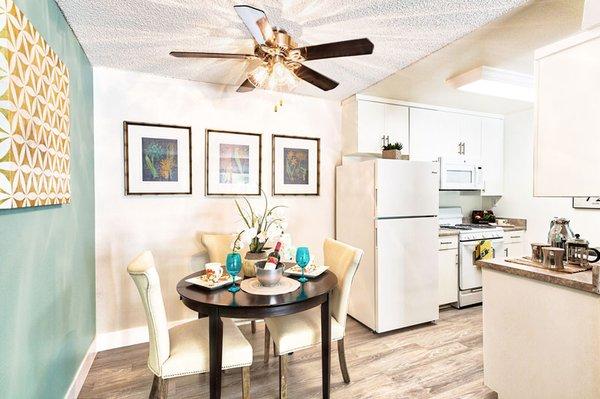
<point x="151" y="315"/>
<point x="206" y="370"/>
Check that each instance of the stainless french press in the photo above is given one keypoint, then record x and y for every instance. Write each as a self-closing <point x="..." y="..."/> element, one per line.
<point x="579" y="252"/>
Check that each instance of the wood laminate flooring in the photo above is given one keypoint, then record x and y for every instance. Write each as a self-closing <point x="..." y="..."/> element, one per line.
<point x="441" y="361"/>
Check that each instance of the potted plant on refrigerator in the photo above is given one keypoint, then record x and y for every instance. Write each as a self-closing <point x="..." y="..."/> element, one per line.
<point x="259" y="227"/>
<point x="393" y="151"/>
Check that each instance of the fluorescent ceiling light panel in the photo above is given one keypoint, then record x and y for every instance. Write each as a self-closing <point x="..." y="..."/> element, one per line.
<point x="495" y="82"/>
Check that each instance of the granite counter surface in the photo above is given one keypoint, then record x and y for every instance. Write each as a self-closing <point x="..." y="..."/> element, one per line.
<point x="582" y="281"/>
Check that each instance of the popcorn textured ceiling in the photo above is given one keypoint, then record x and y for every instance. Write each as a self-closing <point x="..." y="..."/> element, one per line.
<point x="137" y="35"/>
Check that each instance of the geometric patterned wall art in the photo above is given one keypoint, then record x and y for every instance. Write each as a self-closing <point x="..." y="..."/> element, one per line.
<point x="35" y="148"/>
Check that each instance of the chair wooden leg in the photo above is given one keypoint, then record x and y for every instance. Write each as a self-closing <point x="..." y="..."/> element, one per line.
<point x="253" y="325"/>
<point x="343" y="365"/>
<point x="283" y="366"/>
<point x="245" y="382"/>
<point x="267" y="345"/>
<point x="159" y="388"/>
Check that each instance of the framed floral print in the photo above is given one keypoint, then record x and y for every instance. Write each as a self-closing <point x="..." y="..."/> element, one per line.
<point x="157" y="159"/>
<point x="233" y="163"/>
<point x="296" y="165"/>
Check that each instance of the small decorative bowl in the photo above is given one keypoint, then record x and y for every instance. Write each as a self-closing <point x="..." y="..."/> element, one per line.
<point x="268" y="278"/>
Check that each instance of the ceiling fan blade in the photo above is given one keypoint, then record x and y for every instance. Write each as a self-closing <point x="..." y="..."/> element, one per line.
<point x="245" y="87"/>
<point x="315" y="78"/>
<point x="199" y="54"/>
<point x="257" y="23"/>
<point x="345" y="48"/>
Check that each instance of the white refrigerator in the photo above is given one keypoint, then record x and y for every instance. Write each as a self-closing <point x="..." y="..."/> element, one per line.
<point x="389" y="208"/>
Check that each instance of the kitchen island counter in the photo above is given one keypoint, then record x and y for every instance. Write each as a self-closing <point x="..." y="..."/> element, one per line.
<point x="582" y="281"/>
<point x="540" y="332"/>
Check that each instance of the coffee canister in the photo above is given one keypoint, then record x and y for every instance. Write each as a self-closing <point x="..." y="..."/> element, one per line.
<point x="553" y="257"/>
<point x="536" y="251"/>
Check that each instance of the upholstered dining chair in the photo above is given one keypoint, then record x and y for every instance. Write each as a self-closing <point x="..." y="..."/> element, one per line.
<point x="303" y="330"/>
<point x="218" y="246"/>
<point x="184" y="349"/>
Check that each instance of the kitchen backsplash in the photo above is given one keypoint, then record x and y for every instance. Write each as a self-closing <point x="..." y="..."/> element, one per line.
<point x="468" y="201"/>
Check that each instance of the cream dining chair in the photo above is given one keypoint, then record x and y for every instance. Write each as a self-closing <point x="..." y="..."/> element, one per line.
<point x="184" y="349"/>
<point x="303" y="330"/>
<point x="218" y="246"/>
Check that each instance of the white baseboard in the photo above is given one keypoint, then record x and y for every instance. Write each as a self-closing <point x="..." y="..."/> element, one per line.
<point x="127" y="337"/>
<point x="133" y="336"/>
<point x="82" y="372"/>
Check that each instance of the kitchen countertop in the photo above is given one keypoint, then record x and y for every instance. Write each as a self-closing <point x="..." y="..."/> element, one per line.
<point x="454" y="232"/>
<point x="582" y="281"/>
<point x="515" y="228"/>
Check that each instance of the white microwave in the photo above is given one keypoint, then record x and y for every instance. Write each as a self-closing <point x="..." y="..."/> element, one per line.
<point x="460" y="174"/>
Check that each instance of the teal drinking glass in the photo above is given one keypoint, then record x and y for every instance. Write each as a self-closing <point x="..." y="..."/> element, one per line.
<point x="234" y="266"/>
<point x="302" y="259"/>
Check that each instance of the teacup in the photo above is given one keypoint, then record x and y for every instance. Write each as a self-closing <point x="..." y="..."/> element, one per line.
<point x="214" y="271"/>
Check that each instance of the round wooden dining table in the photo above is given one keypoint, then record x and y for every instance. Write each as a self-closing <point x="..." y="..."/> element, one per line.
<point x="221" y="303"/>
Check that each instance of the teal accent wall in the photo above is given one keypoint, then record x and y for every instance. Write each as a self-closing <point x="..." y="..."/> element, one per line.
<point x="47" y="272"/>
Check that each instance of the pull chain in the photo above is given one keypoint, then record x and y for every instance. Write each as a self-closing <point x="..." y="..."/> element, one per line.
<point x="278" y="105"/>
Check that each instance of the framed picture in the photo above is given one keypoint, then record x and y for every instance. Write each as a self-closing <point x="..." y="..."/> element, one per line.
<point x="586" y="202"/>
<point x="157" y="159"/>
<point x="296" y="165"/>
<point x="233" y="163"/>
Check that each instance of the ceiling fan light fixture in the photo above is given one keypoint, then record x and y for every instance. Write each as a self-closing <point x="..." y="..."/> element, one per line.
<point x="284" y="78"/>
<point x="259" y="75"/>
<point x="276" y="77"/>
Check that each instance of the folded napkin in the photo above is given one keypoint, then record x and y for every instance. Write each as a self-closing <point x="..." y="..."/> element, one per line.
<point x="484" y="250"/>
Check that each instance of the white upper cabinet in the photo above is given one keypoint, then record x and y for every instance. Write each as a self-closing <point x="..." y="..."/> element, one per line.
<point x="367" y="123"/>
<point x="396" y="125"/>
<point x="492" y="156"/>
<point x="567" y="117"/>
<point x="435" y="134"/>
<point x="447" y="133"/>
<point x="469" y="131"/>
<point x="424" y="134"/>
<point x="371" y="126"/>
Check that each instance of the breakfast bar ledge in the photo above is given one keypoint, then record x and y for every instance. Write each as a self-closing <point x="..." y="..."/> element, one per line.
<point x="541" y="331"/>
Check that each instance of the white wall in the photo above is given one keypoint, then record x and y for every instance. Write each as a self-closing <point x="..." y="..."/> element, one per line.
<point x="518" y="200"/>
<point x="468" y="201"/>
<point x="169" y="225"/>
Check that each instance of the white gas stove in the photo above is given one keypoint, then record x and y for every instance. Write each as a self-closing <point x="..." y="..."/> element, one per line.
<point x="469" y="236"/>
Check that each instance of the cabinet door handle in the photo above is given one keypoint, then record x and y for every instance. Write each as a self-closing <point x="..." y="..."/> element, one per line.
<point x="446" y="242"/>
<point x="456" y="257"/>
<point x="459" y="148"/>
<point x="464" y="152"/>
<point x="506" y="251"/>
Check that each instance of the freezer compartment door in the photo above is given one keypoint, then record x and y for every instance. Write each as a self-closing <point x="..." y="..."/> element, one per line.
<point x="407" y="272"/>
<point x="469" y="275"/>
<point x="407" y="188"/>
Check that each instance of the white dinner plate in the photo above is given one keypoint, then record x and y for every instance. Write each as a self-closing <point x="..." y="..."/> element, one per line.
<point x="309" y="271"/>
<point x="224" y="281"/>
